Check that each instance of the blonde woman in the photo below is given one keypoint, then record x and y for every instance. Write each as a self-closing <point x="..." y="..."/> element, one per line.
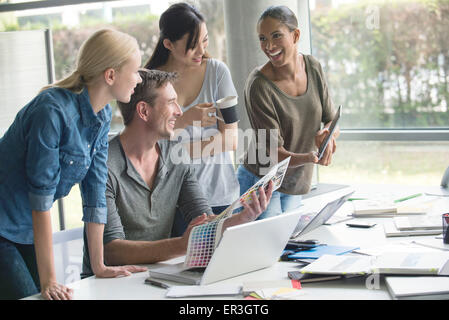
<point x="58" y="139"/>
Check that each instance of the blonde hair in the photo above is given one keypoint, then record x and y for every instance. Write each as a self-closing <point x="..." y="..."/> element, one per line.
<point x="106" y="48"/>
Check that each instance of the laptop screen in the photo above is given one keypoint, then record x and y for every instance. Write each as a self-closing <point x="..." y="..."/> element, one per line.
<point x="310" y="221"/>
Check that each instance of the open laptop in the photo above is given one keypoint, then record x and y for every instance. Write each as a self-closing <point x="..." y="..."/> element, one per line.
<point x="242" y="249"/>
<point x="313" y="220"/>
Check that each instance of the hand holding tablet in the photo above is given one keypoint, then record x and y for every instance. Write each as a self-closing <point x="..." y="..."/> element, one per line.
<point x="331" y="129"/>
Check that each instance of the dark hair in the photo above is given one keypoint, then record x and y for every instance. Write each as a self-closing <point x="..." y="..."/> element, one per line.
<point x="282" y="14"/>
<point x="145" y="91"/>
<point x="174" y="23"/>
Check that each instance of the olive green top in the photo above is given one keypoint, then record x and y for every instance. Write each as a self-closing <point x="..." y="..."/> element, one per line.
<point x="296" y="119"/>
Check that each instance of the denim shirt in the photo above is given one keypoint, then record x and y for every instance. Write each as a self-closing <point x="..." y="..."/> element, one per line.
<point x="55" y="141"/>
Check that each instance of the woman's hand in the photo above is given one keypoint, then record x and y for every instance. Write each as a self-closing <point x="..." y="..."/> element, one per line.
<point x="56" y="291"/>
<point x="331" y="146"/>
<point x="199" y="113"/>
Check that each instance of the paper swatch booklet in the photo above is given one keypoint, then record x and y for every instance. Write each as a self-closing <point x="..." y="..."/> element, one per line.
<point x="204" y="238"/>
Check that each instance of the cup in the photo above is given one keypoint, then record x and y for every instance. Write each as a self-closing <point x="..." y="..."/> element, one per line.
<point x="228" y="109"/>
<point x="446" y="228"/>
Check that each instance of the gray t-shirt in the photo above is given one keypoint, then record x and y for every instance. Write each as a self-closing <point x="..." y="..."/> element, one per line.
<point x="296" y="119"/>
<point x="216" y="174"/>
<point x="136" y="212"/>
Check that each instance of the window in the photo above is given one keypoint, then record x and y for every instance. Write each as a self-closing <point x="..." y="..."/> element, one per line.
<point x="387" y="63"/>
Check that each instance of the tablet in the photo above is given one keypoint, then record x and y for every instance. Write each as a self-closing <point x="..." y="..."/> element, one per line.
<point x="332" y="127"/>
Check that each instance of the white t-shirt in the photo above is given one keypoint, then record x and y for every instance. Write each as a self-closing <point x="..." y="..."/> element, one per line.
<point x="215" y="174"/>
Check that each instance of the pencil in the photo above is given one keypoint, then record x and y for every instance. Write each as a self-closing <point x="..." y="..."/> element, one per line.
<point x="408" y="197"/>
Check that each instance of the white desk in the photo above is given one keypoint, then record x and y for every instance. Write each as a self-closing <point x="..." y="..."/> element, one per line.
<point x="133" y="287"/>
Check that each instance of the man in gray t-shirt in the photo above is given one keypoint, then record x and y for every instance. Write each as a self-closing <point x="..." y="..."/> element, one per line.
<point x="149" y="176"/>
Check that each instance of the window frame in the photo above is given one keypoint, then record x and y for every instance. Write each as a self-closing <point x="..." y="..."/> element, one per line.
<point x="8" y="7"/>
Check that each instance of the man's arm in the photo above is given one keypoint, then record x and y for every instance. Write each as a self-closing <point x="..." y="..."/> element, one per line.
<point x="118" y="252"/>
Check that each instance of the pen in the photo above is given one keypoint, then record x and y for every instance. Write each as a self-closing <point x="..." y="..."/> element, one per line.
<point x="407" y="198"/>
<point x="156" y="283"/>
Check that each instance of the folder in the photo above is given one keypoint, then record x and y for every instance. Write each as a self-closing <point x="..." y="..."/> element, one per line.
<point x="318" y="251"/>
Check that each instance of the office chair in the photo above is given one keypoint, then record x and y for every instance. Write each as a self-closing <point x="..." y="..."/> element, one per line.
<point x="445" y="180"/>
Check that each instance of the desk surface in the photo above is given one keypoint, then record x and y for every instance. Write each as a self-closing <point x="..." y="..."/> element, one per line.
<point x="359" y="288"/>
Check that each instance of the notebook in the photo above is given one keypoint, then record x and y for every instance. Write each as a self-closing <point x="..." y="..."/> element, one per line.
<point x="391" y="230"/>
<point x="419" y="263"/>
<point x="419" y="223"/>
<point x="242" y="249"/>
<point x="390" y="208"/>
<point x="315" y="253"/>
<point x="418" y="288"/>
<point x="340" y="265"/>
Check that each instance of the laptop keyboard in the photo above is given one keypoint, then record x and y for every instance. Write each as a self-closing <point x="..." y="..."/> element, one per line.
<point x="193" y="272"/>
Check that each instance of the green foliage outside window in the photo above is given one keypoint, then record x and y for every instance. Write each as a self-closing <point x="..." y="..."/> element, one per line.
<point x="387" y="62"/>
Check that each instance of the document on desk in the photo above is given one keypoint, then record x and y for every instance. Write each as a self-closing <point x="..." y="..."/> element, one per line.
<point x="391" y="230"/>
<point x="252" y="286"/>
<point x="418" y="288"/>
<point x="419" y="223"/>
<point x="416" y="204"/>
<point x="432" y="243"/>
<point x="340" y="265"/>
<point x="208" y="290"/>
<point x="418" y="263"/>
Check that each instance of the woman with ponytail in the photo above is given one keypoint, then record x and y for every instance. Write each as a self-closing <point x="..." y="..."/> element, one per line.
<point x="202" y="81"/>
<point x="58" y="139"/>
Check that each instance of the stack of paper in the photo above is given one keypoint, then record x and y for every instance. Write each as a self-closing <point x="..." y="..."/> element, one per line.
<point x="364" y="208"/>
<point x="417" y="205"/>
<point x="433" y="243"/>
<point x="423" y="263"/>
<point x="418" y="223"/>
<point x="272" y="290"/>
<point x="420" y="263"/>
<point x="201" y="291"/>
<point x="340" y="265"/>
<point x="418" y="288"/>
<point x="392" y="231"/>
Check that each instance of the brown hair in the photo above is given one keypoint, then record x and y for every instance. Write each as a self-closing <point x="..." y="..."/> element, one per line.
<point x="145" y="91"/>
